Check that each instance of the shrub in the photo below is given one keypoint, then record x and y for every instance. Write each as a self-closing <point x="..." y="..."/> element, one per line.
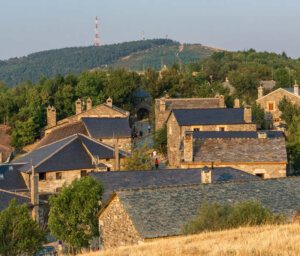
<point x="214" y="216"/>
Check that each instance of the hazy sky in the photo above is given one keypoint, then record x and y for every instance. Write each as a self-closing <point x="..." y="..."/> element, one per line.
<point x="28" y="26"/>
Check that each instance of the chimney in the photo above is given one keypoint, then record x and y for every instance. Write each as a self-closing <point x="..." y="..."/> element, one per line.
<point x="109" y="102"/>
<point x="162" y="104"/>
<point x="34" y="195"/>
<point x="89" y="104"/>
<point x="51" y="116"/>
<point x="260" y="91"/>
<point x="117" y="158"/>
<point x="78" y="106"/>
<point x="296" y="88"/>
<point x="236" y="103"/>
<point x="248" y="114"/>
<point x="206" y="175"/>
<point x="262" y="135"/>
<point x="221" y="101"/>
<point x="188" y="147"/>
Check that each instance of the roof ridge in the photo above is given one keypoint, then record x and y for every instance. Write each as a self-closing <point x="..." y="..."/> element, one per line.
<point x="53" y="153"/>
<point x="55" y="141"/>
<point x="206" y="184"/>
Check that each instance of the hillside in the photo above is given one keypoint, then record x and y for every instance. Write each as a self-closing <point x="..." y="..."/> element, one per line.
<point x="267" y="240"/>
<point x="136" y="55"/>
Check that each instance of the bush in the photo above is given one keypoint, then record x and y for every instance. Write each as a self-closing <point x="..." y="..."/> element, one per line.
<point x="160" y="140"/>
<point x="214" y="216"/>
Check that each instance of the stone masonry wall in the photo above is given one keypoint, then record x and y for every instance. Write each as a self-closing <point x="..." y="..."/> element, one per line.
<point x="268" y="170"/>
<point x="116" y="228"/>
<point x="123" y="142"/>
<point x="275" y="98"/>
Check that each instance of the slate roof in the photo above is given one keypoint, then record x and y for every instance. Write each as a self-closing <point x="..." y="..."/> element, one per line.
<point x="62" y="132"/>
<point x="291" y="90"/>
<point x="184" y="103"/>
<point x="107" y="127"/>
<point x="240" y="150"/>
<point x="209" y="116"/>
<point x="6" y="197"/>
<point x="160" y="212"/>
<point x="71" y="153"/>
<point x="235" y="134"/>
<point x="117" y="180"/>
<point x="11" y="179"/>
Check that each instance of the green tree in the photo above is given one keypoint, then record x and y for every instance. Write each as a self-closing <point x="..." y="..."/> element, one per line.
<point x="288" y="111"/>
<point x="19" y="234"/>
<point x="259" y="115"/>
<point x="282" y="78"/>
<point x="160" y="139"/>
<point x="73" y="213"/>
<point x="140" y="159"/>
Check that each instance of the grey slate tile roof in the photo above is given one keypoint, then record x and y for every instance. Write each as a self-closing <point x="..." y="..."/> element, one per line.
<point x="240" y="150"/>
<point x="183" y="103"/>
<point x="67" y="154"/>
<point x="291" y="90"/>
<point x="166" y="177"/>
<point x="12" y="180"/>
<point x="107" y="127"/>
<point x="6" y="197"/>
<point x="209" y="116"/>
<point x="235" y="134"/>
<point x="159" y="212"/>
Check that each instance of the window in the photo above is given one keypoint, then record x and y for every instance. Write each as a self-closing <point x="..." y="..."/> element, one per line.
<point x="276" y="119"/>
<point x="83" y="173"/>
<point x="221" y="129"/>
<point x="271" y="106"/>
<point x="108" y="169"/>
<point x="58" y="175"/>
<point x="196" y="129"/>
<point x="260" y="175"/>
<point x="42" y="176"/>
<point x="107" y="159"/>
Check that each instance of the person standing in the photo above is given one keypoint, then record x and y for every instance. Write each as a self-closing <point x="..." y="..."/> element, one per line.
<point x="156" y="163"/>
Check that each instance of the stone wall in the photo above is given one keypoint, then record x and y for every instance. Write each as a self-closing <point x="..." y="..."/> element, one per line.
<point x="269" y="170"/>
<point x="124" y="143"/>
<point x="116" y="228"/>
<point x="275" y="98"/>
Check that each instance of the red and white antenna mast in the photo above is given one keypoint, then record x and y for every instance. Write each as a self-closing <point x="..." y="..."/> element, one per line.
<point x="96" y="40"/>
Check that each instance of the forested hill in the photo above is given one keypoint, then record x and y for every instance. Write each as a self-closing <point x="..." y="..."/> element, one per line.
<point x="137" y="55"/>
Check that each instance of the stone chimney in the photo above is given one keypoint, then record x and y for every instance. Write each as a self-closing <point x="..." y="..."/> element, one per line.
<point x="162" y="104"/>
<point x="296" y="88"/>
<point x="236" y="103"/>
<point x="34" y="192"/>
<point x="51" y="116"/>
<point x="221" y="101"/>
<point x="260" y="91"/>
<point x="248" y="114"/>
<point x="78" y="106"/>
<point x="109" y="102"/>
<point x="206" y="175"/>
<point x="89" y="104"/>
<point x="188" y="147"/>
<point x="117" y="158"/>
<point x="262" y="135"/>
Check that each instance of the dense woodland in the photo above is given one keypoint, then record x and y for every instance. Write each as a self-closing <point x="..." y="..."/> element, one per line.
<point x="143" y="54"/>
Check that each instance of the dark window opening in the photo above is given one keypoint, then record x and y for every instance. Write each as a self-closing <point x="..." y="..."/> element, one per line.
<point x="58" y="175"/>
<point x="260" y="175"/>
<point x="83" y="173"/>
<point x="108" y="169"/>
<point x="42" y="176"/>
<point x="196" y="129"/>
<point x="221" y="129"/>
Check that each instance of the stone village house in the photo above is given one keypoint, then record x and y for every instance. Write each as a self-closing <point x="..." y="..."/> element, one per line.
<point x="140" y="215"/>
<point x="212" y="119"/>
<point x="271" y="101"/>
<point x="164" y="106"/>
<point x="104" y="122"/>
<point x="67" y="159"/>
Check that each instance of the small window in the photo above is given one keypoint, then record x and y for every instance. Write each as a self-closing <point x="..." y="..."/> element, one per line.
<point x="42" y="176"/>
<point x="58" y="189"/>
<point x="271" y="106"/>
<point x="196" y="129"/>
<point x="221" y="129"/>
<point x="261" y="175"/>
<point x="108" y="169"/>
<point x="83" y="173"/>
<point x="276" y="119"/>
<point x="58" y="175"/>
<point x="107" y="159"/>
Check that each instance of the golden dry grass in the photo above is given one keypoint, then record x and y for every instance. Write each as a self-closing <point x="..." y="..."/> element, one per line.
<point x="256" y="241"/>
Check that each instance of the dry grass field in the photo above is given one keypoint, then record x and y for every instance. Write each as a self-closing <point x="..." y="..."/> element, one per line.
<point x="257" y="241"/>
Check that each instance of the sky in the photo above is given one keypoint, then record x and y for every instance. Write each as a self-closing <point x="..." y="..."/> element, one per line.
<point x="28" y="26"/>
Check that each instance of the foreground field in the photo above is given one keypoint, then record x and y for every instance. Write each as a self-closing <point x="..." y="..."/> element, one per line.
<point x="268" y="240"/>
